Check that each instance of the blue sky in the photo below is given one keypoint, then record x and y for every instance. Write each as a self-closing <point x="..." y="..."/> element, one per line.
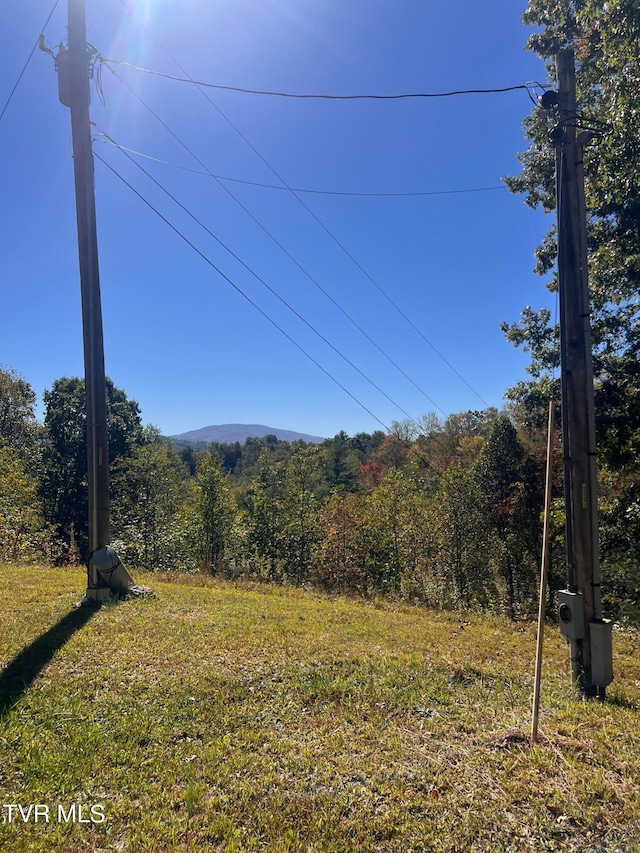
<point x="178" y="338"/>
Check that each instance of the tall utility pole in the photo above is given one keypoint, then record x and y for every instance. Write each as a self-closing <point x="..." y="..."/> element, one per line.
<point x="580" y="605"/>
<point x="78" y="95"/>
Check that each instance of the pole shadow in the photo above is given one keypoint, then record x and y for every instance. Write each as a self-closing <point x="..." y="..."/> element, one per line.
<point x="21" y="672"/>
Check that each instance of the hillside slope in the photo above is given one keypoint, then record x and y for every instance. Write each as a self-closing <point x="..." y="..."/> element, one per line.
<point x="224" y="718"/>
<point x="241" y="432"/>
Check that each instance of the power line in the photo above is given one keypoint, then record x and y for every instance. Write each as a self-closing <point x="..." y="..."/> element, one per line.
<point x="303" y="189"/>
<point x="241" y="292"/>
<point x="24" y="67"/>
<point x="367" y="97"/>
<point x="331" y="235"/>
<point x="270" y="289"/>
<point x="277" y="243"/>
<point x="410" y="447"/>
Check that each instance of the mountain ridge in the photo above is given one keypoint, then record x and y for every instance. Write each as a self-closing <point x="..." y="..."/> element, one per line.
<point x="240" y="432"/>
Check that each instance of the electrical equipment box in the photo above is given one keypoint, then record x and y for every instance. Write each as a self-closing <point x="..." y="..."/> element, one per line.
<point x="571" y="614"/>
<point x="601" y="652"/>
<point x="62" y="67"/>
<point x="110" y="569"/>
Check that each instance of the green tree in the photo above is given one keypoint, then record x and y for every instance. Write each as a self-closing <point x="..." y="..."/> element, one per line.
<point x="376" y="542"/>
<point x="215" y="513"/>
<point x="20" y="516"/>
<point x="458" y="438"/>
<point x="513" y="505"/>
<point x="299" y="511"/>
<point x="620" y="546"/>
<point x="19" y="428"/>
<point x="461" y="573"/>
<point x="397" y="515"/>
<point x="264" y="518"/>
<point x="153" y="511"/>
<point x="606" y="40"/>
<point x="283" y="519"/>
<point x="341" y="463"/>
<point x="387" y="518"/>
<point x="63" y="483"/>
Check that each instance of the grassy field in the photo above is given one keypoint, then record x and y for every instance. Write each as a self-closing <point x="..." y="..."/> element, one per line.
<point x="218" y="717"/>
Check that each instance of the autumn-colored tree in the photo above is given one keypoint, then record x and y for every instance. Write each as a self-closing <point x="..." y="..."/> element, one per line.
<point x="342" y="554"/>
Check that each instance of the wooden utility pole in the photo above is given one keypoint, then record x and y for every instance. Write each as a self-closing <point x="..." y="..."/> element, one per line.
<point x="582" y="614"/>
<point x="77" y="91"/>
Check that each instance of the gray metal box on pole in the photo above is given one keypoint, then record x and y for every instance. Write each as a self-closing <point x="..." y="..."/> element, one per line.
<point x="600" y="632"/>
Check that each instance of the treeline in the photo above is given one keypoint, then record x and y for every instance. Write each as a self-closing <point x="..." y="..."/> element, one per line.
<point x="445" y="512"/>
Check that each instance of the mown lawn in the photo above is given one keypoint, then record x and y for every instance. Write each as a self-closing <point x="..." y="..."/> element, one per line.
<point x="218" y="717"/>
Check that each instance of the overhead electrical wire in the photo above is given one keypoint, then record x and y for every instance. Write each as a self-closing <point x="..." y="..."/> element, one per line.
<point x="330" y="233"/>
<point x="239" y="290"/>
<point x="24" y="67"/>
<point x="325" y="97"/>
<point x="281" y="188"/>
<point x="269" y="288"/>
<point x="277" y="242"/>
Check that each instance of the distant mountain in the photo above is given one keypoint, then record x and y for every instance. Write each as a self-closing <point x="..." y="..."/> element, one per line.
<point x="241" y="432"/>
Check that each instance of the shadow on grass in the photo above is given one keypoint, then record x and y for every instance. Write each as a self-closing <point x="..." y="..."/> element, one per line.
<point x="17" y="676"/>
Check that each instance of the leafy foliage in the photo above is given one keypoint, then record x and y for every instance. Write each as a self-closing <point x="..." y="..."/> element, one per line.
<point x="151" y="511"/>
<point x="447" y="512"/>
<point x="22" y="534"/>
<point x="214" y="511"/>
<point x="606" y="39"/>
<point x="18" y="426"/>
<point x="462" y="553"/>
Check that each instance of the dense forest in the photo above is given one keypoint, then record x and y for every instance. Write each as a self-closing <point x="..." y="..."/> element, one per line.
<point x="446" y="512"/>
